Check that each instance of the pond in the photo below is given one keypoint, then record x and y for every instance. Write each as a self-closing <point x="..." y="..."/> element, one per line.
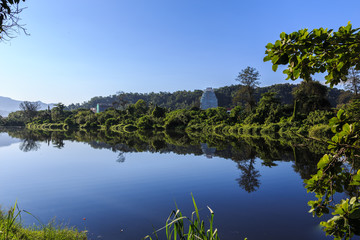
<point x="124" y="186"/>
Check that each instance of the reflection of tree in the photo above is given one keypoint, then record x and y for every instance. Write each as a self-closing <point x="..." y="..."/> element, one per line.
<point x="29" y="145"/>
<point x="57" y="139"/>
<point x="269" y="150"/>
<point x="305" y="162"/>
<point x="249" y="180"/>
<point x="121" y="157"/>
<point x="58" y="143"/>
<point x="208" y="151"/>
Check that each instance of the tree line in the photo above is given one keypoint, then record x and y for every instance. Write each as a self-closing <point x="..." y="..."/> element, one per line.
<point x="279" y="102"/>
<point x="228" y="97"/>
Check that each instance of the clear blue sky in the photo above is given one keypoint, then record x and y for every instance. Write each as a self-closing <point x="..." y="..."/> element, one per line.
<point x="80" y="49"/>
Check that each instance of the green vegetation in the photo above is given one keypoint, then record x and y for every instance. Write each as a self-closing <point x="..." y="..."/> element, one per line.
<point x="188" y="99"/>
<point x="248" y="78"/>
<point x="181" y="227"/>
<point x="336" y="53"/>
<point x="11" y="229"/>
<point x="269" y="116"/>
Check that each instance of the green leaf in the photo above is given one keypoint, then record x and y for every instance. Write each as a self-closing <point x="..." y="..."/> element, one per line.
<point x="267" y="58"/>
<point x="274" y="59"/>
<point x="274" y="67"/>
<point x="324" y="161"/>
<point x="356" y="179"/>
<point x="340" y="113"/>
<point x="346" y="128"/>
<point x="277" y="43"/>
<point x="269" y="45"/>
<point x="296" y="73"/>
<point x="282" y="35"/>
<point x="339" y="66"/>
<point x="333" y="121"/>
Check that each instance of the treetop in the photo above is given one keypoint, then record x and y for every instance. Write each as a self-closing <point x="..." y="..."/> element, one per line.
<point x="317" y="51"/>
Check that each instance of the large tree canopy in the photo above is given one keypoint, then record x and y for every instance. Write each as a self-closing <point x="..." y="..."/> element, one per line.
<point x="318" y="51"/>
<point x="9" y="18"/>
<point x="311" y="96"/>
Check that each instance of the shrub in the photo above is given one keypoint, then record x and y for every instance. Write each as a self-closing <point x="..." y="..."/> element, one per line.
<point x="320" y="131"/>
<point x="110" y="122"/>
<point x="145" y="122"/>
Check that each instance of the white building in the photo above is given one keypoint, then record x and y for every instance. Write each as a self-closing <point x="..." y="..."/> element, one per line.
<point x="208" y="99"/>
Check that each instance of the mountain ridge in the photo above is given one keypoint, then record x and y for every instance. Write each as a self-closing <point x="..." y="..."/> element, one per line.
<point x="8" y="105"/>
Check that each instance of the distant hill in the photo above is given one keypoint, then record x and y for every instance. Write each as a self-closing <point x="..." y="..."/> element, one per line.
<point x="8" y="105"/>
<point x="188" y="99"/>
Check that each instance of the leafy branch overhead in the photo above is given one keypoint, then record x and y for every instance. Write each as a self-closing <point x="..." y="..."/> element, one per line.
<point x="9" y="18"/>
<point x="337" y="53"/>
<point x="318" y="51"/>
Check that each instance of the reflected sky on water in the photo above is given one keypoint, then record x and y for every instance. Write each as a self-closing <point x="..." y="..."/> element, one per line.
<point x="124" y="194"/>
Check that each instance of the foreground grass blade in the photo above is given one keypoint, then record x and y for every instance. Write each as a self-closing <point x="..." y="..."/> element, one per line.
<point x="175" y="226"/>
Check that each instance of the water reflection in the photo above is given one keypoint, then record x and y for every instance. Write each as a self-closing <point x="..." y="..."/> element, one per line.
<point x="28" y="145"/>
<point x="57" y="139"/>
<point x="77" y="182"/>
<point x="208" y="151"/>
<point x="121" y="157"/>
<point x="244" y="151"/>
<point x="249" y="180"/>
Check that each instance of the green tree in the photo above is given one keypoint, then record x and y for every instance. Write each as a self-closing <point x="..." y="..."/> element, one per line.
<point x="57" y="113"/>
<point x="310" y="96"/>
<point x="121" y="101"/>
<point x="267" y="111"/>
<point x="145" y="122"/>
<point x="15" y="119"/>
<point x="158" y="112"/>
<point x="235" y="114"/>
<point x="353" y="81"/>
<point x="140" y="107"/>
<point x="30" y="109"/>
<point x="248" y="77"/>
<point x="318" y="51"/>
<point x="335" y="52"/>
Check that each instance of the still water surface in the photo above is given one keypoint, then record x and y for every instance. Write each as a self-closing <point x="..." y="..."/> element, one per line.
<point x="124" y="194"/>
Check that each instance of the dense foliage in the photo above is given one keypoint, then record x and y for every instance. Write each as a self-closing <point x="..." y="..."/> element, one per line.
<point x="269" y="116"/>
<point x="335" y="52"/>
<point x="227" y="97"/>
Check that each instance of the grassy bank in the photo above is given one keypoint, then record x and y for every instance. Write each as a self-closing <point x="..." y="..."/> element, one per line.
<point x="12" y="229"/>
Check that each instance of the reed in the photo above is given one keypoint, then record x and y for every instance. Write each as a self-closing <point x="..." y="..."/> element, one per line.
<point x="184" y="228"/>
<point x="11" y="228"/>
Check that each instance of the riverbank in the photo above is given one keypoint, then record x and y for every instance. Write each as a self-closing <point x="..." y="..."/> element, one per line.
<point x="12" y="229"/>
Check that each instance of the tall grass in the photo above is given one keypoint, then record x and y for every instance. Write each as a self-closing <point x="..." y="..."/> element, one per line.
<point x="11" y="228"/>
<point x="183" y="228"/>
<point x="8" y="222"/>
